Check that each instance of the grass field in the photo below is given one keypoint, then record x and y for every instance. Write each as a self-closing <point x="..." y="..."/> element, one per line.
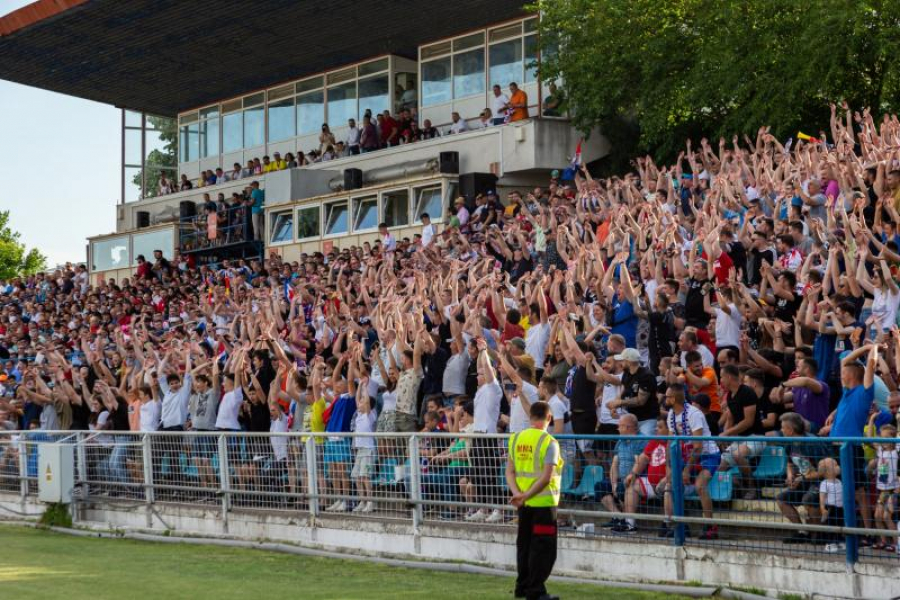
<point x="40" y="564"/>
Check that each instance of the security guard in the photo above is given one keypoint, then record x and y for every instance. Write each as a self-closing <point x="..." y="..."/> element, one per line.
<point x="534" y="474"/>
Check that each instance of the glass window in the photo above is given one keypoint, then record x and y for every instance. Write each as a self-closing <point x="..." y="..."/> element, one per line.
<point x="531" y="54"/>
<point x="281" y="227"/>
<point x="281" y="120"/>
<point x="232" y="132"/>
<point x="341" y="103"/>
<point x="428" y="200"/>
<point x="336" y="221"/>
<point x="308" y="222"/>
<point x="254" y="127"/>
<point x="145" y="243"/>
<point x="255" y="99"/>
<point x="502" y="33"/>
<point x="310" y="112"/>
<point x="209" y="113"/>
<point x="506" y="62"/>
<point x="365" y="213"/>
<point x="134" y="184"/>
<point x="109" y="254"/>
<point x="470" y="41"/>
<point x="190" y="144"/>
<point x="452" y="193"/>
<point x="436" y="82"/>
<point x="434" y="50"/>
<point x="374" y="95"/>
<point x="406" y="91"/>
<point x="133" y="145"/>
<point x="395" y="208"/>
<point x="308" y="84"/>
<point x="468" y="73"/>
<point x="209" y="138"/>
<point x="134" y="119"/>
<point x="376" y="66"/>
<point x="529" y="26"/>
<point x="341" y="76"/>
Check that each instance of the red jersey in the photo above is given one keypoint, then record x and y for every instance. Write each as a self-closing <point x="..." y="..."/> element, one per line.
<point x="656" y="451"/>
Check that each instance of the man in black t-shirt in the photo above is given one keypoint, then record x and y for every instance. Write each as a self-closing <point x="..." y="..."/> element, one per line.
<point x="741" y="417"/>
<point x="697" y="287"/>
<point x="638" y="391"/>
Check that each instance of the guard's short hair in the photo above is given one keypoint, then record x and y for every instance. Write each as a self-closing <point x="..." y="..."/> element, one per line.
<point x="539" y="411"/>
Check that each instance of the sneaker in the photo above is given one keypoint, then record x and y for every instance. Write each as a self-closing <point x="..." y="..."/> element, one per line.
<point x="611" y="524"/>
<point x="625" y="528"/>
<point x="341" y="507"/>
<point x="835" y="548"/>
<point x="476" y="516"/>
<point x="495" y="517"/>
<point x="800" y="537"/>
<point x="369" y="507"/>
<point x="360" y="507"/>
<point x="334" y="506"/>
<point x="751" y="494"/>
<point x="710" y="533"/>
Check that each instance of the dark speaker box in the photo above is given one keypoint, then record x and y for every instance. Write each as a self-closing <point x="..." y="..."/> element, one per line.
<point x="187" y="209"/>
<point x="472" y="184"/>
<point x="143" y="219"/>
<point x="353" y="179"/>
<point x="449" y="162"/>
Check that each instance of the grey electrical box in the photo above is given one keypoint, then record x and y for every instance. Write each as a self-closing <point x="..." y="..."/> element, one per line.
<point x="56" y="472"/>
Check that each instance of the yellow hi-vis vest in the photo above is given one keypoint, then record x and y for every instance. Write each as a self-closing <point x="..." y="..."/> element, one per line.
<point x="528" y="449"/>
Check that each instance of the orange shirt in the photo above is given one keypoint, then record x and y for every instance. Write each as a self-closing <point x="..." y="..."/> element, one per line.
<point x="519" y="99"/>
<point x="712" y="390"/>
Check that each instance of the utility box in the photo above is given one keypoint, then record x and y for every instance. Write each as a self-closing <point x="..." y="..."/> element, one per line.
<point x="56" y="472"/>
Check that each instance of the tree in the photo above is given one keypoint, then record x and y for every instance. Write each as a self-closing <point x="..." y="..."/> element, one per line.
<point x="679" y="69"/>
<point x="14" y="261"/>
<point x="159" y="161"/>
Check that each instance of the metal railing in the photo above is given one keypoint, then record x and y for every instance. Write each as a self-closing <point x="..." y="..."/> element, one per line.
<point x="796" y="496"/>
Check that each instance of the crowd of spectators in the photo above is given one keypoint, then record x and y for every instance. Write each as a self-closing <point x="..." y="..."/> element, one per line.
<point x="376" y="132"/>
<point x="747" y="289"/>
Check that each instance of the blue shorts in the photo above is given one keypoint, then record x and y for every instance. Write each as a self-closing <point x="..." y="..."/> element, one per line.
<point x="338" y="452"/>
<point x="710" y="462"/>
<point x="204" y="446"/>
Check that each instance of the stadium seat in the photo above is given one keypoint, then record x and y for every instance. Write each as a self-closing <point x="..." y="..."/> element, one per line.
<point x="721" y="486"/>
<point x="590" y="479"/>
<point x="772" y="463"/>
<point x="386" y="472"/>
<point x="568" y="479"/>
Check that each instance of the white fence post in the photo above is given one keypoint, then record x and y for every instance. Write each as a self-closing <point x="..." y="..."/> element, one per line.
<point x="224" y="477"/>
<point x="147" y="464"/>
<point x="415" y="481"/>
<point x="24" y="448"/>
<point x="81" y="461"/>
<point x="312" y="484"/>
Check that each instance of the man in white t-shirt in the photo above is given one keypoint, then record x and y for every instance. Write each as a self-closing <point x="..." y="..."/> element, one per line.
<point x="538" y="335"/>
<point x="428" y="230"/>
<point x="459" y="124"/>
<point x="230" y="407"/>
<point x="485" y="458"/>
<point x="701" y="458"/>
<point x="520" y="392"/>
<point x="388" y="241"/>
<point x="499" y="100"/>
<point x="548" y="391"/>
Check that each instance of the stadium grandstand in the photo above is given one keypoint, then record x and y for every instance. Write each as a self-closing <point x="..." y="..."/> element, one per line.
<point x="351" y="251"/>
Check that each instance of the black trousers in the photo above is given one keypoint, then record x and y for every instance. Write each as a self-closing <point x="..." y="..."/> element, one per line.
<point x="535" y="550"/>
<point x="486" y="469"/>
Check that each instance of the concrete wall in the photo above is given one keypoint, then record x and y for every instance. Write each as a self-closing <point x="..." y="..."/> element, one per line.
<point x="600" y="558"/>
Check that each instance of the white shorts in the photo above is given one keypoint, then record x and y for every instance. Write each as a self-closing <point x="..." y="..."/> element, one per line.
<point x="647" y="490"/>
<point x="364" y="463"/>
<point x="753" y="449"/>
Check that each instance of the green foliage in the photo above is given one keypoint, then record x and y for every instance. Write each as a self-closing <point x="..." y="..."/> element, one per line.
<point x="682" y="69"/>
<point x="56" y="515"/>
<point x="159" y="161"/>
<point x="14" y="260"/>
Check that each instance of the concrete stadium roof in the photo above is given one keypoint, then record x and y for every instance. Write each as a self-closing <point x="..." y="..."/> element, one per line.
<point x="166" y="56"/>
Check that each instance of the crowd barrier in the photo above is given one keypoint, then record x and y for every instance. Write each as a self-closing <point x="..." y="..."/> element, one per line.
<point x="740" y="498"/>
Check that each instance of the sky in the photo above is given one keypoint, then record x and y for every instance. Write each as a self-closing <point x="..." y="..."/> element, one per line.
<point x="60" y="161"/>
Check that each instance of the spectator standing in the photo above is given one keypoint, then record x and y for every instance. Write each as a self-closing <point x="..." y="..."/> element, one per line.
<point x="499" y="104"/>
<point x="353" y="137"/>
<point x="517" y="107"/>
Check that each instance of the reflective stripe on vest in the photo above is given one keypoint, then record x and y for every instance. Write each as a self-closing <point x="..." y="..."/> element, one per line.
<point x="528" y="468"/>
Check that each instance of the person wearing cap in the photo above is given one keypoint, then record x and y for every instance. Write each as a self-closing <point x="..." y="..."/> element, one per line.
<point x="638" y="391"/>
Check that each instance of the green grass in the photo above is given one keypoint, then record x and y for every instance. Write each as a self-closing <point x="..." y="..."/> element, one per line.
<point x="42" y="564"/>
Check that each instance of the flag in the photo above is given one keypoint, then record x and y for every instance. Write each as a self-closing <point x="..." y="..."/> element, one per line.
<point x="572" y="170"/>
<point x="288" y="291"/>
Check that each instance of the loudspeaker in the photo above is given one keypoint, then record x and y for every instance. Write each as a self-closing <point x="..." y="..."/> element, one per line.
<point x="449" y="162"/>
<point x="187" y="209"/>
<point x="353" y="179"/>
<point x="143" y="219"/>
<point x="472" y="184"/>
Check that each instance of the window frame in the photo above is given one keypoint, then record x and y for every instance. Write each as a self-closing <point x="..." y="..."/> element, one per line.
<point x="419" y="209"/>
<point x="318" y="208"/>
<point x="327" y="208"/>
<point x="383" y="206"/>
<point x="272" y="220"/>
<point x="356" y="203"/>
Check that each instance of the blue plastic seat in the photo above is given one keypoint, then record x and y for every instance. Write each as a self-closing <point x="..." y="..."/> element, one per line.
<point x="386" y="472"/>
<point x="590" y="479"/>
<point x="568" y="479"/>
<point x="772" y="463"/>
<point x="721" y="486"/>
